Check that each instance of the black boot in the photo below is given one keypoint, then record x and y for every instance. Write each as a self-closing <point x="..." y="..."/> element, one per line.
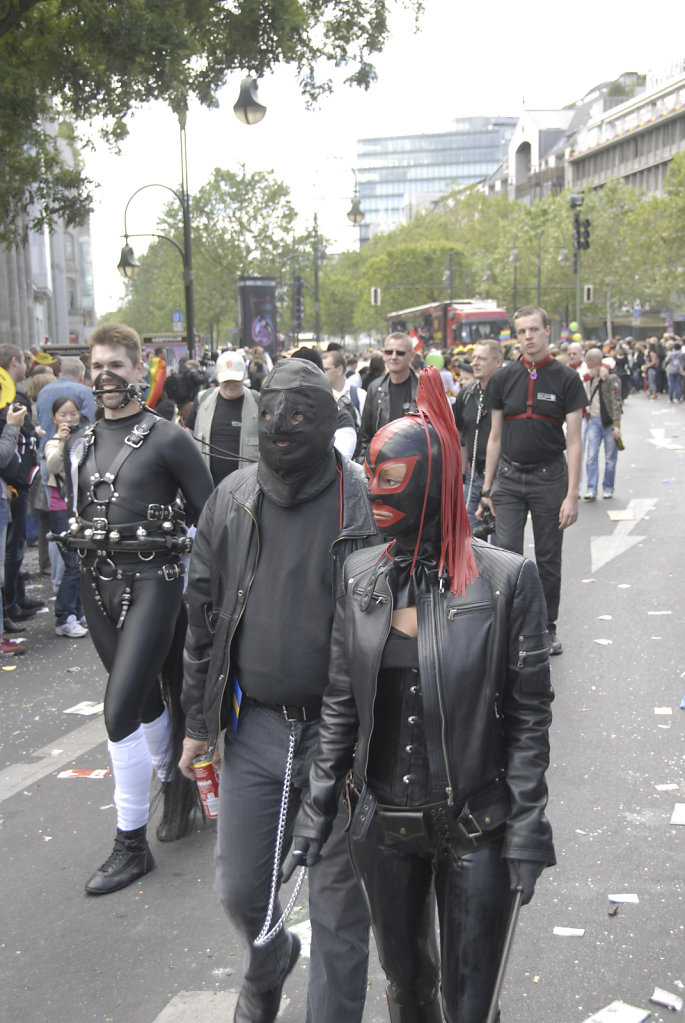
<point x="262" y="1006"/>
<point x="130" y="859"/>
<point x="429" y="1012"/>
<point x="180" y="799"/>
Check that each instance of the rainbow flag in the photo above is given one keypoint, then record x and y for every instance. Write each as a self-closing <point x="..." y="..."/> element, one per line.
<point x="505" y="336"/>
<point x="236" y="700"/>
<point x="156" y="380"/>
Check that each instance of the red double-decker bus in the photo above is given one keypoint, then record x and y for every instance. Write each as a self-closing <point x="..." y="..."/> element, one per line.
<point x="450" y="324"/>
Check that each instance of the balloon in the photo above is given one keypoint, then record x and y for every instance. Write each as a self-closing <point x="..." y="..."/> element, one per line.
<point x="573" y="327"/>
<point x="435" y="359"/>
<point x="577" y="336"/>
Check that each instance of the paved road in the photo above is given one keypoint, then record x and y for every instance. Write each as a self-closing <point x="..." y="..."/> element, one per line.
<point x="162" y="950"/>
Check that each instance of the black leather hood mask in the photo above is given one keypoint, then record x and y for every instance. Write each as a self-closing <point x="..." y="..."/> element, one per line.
<point x="297" y="421"/>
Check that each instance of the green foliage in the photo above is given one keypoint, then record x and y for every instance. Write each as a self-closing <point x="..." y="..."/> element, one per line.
<point x="80" y="59"/>
<point x="242" y="225"/>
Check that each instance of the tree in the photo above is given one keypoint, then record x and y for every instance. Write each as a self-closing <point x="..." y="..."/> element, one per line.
<point x="242" y="226"/>
<point x="80" y="59"/>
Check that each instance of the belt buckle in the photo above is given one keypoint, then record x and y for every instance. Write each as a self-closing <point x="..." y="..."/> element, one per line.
<point x="155" y="512"/>
<point x="284" y="711"/>
<point x="466" y="822"/>
<point x="171" y="572"/>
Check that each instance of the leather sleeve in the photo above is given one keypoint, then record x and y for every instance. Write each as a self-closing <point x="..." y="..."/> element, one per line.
<point x="526" y="701"/>
<point x="199" y="636"/>
<point x="337" y="739"/>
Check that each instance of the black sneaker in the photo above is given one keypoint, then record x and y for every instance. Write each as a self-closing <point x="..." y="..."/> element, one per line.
<point x="130" y="859"/>
<point x="553" y="642"/>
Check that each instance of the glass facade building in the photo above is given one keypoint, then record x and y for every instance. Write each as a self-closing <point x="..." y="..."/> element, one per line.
<point x="399" y="174"/>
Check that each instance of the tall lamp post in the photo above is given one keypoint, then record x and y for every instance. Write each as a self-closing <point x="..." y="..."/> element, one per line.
<point x="248" y="110"/>
<point x="450" y="273"/>
<point x="515" y="259"/>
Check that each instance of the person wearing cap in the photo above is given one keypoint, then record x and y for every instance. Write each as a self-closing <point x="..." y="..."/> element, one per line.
<point x="223" y="419"/>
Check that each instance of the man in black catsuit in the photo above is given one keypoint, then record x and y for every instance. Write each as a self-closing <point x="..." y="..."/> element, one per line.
<point x="130" y="534"/>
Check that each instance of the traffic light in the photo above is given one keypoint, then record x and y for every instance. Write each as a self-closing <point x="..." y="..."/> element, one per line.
<point x="298" y="305"/>
<point x="576" y="231"/>
<point x="585" y="234"/>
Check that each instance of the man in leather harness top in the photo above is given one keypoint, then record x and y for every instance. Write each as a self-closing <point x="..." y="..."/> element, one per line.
<point x="123" y="478"/>
<point x="525" y="468"/>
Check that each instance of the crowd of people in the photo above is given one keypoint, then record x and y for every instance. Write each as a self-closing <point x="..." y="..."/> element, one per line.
<point x="357" y="561"/>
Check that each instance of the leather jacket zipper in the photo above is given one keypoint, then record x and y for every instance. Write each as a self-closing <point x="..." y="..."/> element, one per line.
<point x="530" y="653"/>
<point x="448" y="790"/>
<point x="210" y="750"/>
<point x="454" y="612"/>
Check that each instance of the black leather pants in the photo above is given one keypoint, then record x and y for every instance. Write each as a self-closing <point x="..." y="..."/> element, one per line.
<point x="473" y="899"/>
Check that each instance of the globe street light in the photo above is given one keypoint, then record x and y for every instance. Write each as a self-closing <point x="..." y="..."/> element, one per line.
<point x="248" y="110"/>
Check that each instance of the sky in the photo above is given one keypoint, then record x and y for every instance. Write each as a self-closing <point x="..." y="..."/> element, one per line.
<point x="466" y="59"/>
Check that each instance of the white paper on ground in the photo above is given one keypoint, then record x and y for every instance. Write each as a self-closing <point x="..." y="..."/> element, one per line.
<point x="569" y="932"/>
<point x="661" y="997"/>
<point x="678" y="815"/>
<point x="624" y="898"/>
<point x="619" y="1012"/>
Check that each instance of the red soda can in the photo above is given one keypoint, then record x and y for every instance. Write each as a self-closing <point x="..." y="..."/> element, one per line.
<point x="208" y="787"/>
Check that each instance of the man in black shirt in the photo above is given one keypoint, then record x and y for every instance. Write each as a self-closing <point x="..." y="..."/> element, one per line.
<point x="390" y="396"/>
<point x="472" y="416"/>
<point x="223" y="420"/>
<point x="525" y="469"/>
<point x="266" y="567"/>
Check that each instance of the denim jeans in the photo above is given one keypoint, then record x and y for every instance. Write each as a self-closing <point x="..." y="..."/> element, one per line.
<point x="596" y="434"/>
<point x="68" y="600"/>
<point x="514" y="494"/>
<point x="675" y="386"/>
<point x="249" y="802"/>
<point x="4" y="523"/>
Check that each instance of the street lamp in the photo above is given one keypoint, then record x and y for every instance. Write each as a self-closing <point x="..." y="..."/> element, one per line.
<point x="450" y="272"/>
<point x="515" y="259"/>
<point x="247" y="107"/>
<point x="248" y="110"/>
<point x="356" y="213"/>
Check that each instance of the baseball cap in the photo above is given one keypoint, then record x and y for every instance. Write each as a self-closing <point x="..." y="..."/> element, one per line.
<point x="230" y="366"/>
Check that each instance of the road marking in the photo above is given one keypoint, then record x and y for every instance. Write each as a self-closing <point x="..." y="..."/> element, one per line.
<point x="17" y="777"/>
<point x="604" y="549"/>
<point x="189" y="1006"/>
<point x="660" y="440"/>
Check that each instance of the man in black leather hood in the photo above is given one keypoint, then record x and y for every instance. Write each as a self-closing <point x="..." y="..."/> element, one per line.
<point x="266" y="566"/>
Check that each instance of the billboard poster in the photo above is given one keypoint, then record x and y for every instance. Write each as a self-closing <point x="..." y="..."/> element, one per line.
<point x="257" y="304"/>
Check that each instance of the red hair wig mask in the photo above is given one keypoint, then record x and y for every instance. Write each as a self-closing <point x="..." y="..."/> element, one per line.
<point x="415" y="484"/>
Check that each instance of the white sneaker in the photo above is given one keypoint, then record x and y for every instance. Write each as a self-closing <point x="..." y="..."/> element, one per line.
<point x="71" y="628"/>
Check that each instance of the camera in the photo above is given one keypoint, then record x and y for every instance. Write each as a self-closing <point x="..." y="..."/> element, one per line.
<point x="73" y="427"/>
<point x="17" y="406"/>
<point x="486" y="527"/>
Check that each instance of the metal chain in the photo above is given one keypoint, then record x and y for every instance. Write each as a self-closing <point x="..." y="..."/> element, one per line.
<point x="475" y="443"/>
<point x="265" y="935"/>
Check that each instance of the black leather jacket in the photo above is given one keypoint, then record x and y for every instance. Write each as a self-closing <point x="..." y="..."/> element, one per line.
<point x="377" y="411"/>
<point x="485" y="683"/>
<point x="222" y="567"/>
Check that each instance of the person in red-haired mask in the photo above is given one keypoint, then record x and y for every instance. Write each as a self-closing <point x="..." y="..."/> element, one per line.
<point x="438" y="706"/>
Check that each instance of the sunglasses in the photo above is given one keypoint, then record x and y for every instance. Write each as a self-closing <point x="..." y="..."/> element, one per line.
<point x="395" y="351"/>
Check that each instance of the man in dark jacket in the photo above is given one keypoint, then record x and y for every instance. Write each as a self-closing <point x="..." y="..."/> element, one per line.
<point x="392" y="395"/>
<point x="266" y="566"/>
